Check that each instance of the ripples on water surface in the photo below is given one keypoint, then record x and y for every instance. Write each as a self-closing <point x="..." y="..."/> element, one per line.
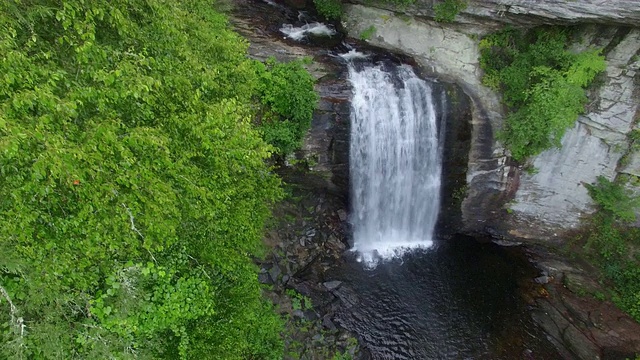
<point x="457" y="300"/>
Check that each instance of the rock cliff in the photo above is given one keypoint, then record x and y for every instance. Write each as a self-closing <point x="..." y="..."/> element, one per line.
<point x="501" y="197"/>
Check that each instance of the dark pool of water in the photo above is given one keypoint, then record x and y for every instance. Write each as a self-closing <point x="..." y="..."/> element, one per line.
<point x="460" y="299"/>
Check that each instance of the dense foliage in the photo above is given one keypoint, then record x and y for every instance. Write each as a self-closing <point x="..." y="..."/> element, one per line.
<point x="133" y="185"/>
<point x="613" y="242"/>
<point x="287" y="95"/>
<point x="447" y="10"/>
<point x="542" y="83"/>
<point x="332" y="9"/>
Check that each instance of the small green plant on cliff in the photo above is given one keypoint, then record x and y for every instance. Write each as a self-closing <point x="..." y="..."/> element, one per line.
<point x="447" y="10"/>
<point x="613" y="243"/>
<point x="299" y="301"/>
<point x="367" y="33"/>
<point x="613" y="200"/>
<point x="330" y="9"/>
<point x="542" y="85"/>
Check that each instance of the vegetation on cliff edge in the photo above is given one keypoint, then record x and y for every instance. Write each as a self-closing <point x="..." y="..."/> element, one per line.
<point x="332" y="9"/>
<point x="613" y="243"/>
<point x="542" y="83"/>
<point x="134" y="186"/>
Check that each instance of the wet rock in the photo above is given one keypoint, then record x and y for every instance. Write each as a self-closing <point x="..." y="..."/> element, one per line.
<point x="264" y="278"/>
<point x="310" y="315"/>
<point x="542" y="279"/>
<point x="527" y="354"/>
<point x="332" y="285"/>
<point x="296" y="4"/>
<point x="347" y="296"/>
<point x="342" y="215"/>
<point x="580" y="284"/>
<point x="328" y="324"/>
<point x="297" y="313"/>
<point x="274" y="272"/>
<point x="335" y="245"/>
<point x="302" y="287"/>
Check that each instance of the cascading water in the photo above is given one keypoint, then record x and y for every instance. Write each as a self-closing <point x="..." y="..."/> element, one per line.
<point x="395" y="162"/>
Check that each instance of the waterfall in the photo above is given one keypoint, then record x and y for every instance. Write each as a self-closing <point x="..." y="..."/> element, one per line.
<point x="395" y="162"/>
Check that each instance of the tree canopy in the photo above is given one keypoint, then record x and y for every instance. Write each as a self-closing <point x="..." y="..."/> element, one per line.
<point x="133" y="183"/>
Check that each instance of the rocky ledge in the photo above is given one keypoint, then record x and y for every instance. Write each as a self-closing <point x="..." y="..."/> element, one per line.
<point x="568" y="304"/>
<point x="532" y="12"/>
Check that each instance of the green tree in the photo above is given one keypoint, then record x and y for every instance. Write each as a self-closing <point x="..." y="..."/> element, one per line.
<point x="133" y="185"/>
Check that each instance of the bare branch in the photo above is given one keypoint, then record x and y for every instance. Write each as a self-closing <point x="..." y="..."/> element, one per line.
<point x="16" y="321"/>
<point x="133" y="224"/>
<point x="134" y="228"/>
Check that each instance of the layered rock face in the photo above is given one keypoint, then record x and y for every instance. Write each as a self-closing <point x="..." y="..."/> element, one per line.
<point x="593" y="147"/>
<point x="534" y="12"/>
<point x="552" y="199"/>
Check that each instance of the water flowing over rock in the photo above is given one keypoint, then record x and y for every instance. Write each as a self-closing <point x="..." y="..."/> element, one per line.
<point x="299" y="33"/>
<point x="452" y="55"/>
<point x="395" y="161"/>
<point x="550" y="201"/>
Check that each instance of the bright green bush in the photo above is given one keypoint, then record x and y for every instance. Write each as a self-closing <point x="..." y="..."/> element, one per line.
<point x="133" y="185"/>
<point x="289" y="99"/>
<point x="447" y="10"/>
<point x="542" y="84"/>
<point x="614" y="243"/>
<point x="330" y="9"/>
<point x="613" y="199"/>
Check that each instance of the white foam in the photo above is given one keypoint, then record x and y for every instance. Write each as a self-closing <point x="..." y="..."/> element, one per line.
<point x="299" y="33"/>
<point x="353" y="54"/>
<point x="372" y="254"/>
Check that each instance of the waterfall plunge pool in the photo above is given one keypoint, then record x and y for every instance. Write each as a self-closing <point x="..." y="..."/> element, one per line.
<point x="459" y="299"/>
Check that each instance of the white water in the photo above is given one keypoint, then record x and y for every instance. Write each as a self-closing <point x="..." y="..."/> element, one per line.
<point x="299" y="33"/>
<point x="353" y="54"/>
<point x="395" y="163"/>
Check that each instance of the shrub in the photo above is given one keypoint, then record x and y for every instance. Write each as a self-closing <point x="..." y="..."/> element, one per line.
<point x="542" y="85"/>
<point x="447" y="10"/>
<point x="613" y="199"/>
<point x="289" y="99"/>
<point x="613" y="243"/>
<point x="330" y="9"/>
